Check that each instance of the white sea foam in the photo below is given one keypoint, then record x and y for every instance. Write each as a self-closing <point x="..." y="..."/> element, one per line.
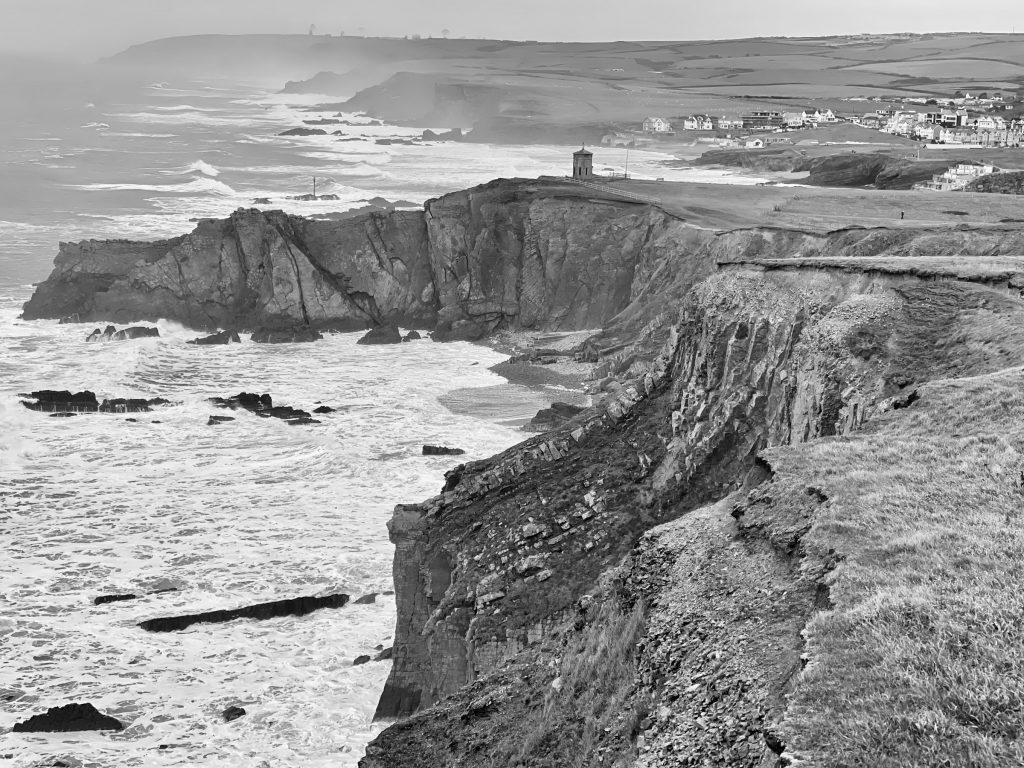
<point x="244" y="512"/>
<point x="200" y="185"/>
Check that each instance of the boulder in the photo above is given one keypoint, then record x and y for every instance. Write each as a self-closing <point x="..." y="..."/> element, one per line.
<point x="296" y="334"/>
<point x="215" y="420"/>
<point x="366" y="599"/>
<point x="386" y="655"/>
<point x="412" y="336"/>
<point x="558" y="415"/>
<point x="382" y="334"/>
<point x="323" y="409"/>
<point x="70" y="717"/>
<point x="232" y="713"/>
<point x="440" y="450"/>
<point x="224" y="337"/>
<point x="361" y="660"/>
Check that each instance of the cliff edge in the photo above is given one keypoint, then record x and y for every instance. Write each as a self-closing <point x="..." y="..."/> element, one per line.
<point x="747" y="554"/>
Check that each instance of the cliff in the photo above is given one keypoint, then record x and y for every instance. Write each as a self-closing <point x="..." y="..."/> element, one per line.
<point x="746" y="554"/>
<point x="508" y="254"/>
<point x="881" y="170"/>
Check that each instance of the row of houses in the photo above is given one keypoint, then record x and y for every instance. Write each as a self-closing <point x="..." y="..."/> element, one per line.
<point x="956" y="128"/>
<point x="758" y="120"/>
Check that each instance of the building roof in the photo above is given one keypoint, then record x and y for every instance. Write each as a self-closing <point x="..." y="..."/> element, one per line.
<point x="583" y="151"/>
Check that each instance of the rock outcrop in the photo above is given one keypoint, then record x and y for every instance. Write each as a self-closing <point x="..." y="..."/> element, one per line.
<point x="224" y="337"/>
<point x="669" y="516"/>
<point x="70" y="717"/>
<point x="384" y="334"/>
<point x="297" y="606"/>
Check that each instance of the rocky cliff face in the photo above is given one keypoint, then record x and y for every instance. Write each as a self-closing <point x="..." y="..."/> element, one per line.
<point x="514" y="583"/>
<point x="508" y="254"/>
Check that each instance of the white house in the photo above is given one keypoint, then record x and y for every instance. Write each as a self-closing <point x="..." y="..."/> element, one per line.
<point x="754" y="143"/>
<point x="697" y="123"/>
<point x="794" y="119"/>
<point x="657" y="125"/>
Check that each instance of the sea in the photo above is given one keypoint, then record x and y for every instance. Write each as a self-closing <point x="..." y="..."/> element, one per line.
<point x="193" y="517"/>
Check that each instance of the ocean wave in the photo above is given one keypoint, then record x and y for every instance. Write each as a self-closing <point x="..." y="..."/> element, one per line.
<point x="97" y="126"/>
<point x="199" y="166"/>
<point x="200" y="185"/>
<point x="186" y="108"/>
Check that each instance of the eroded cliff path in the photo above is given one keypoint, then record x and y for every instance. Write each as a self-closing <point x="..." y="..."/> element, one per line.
<point x="860" y="436"/>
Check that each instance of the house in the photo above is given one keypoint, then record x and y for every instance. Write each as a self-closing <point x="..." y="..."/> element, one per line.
<point x="957" y="177"/>
<point x="927" y="131"/>
<point x="794" y="119"/>
<point x="755" y="143"/>
<point x="818" y="117"/>
<point x="698" y="123"/>
<point x="657" y="125"/>
<point x="762" y="119"/>
<point x="730" y="124"/>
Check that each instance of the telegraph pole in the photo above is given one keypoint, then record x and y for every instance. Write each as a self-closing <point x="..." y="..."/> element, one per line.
<point x="314" y="187"/>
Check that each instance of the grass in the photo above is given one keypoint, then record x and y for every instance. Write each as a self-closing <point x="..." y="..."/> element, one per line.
<point x="920" y="662"/>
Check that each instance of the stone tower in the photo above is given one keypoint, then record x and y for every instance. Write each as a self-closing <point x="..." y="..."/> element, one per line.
<point x="583" y="165"/>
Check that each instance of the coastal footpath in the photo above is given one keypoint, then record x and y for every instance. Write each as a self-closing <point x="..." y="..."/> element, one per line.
<point x="790" y="535"/>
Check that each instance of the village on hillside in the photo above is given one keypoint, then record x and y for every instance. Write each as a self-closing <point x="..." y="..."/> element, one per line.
<point x="965" y="120"/>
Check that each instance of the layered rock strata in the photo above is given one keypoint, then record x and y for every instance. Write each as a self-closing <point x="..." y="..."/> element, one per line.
<point x="527" y="563"/>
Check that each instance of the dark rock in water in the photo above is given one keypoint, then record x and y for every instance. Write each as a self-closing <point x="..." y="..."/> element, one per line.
<point x="250" y="401"/>
<point x="412" y="336"/>
<point x="62" y="414"/>
<point x="323" y="409"/>
<point x="134" y="421"/>
<point x="84" y="400"/>
<point x="440" y="450"/>
<point x="558" y="415"/>
<point x="112" y="598"/>
<point x="70" y="717"/>
<point x="261" y="201"/>
<point x="286" y="335"/>
<point x="304" y="420"/>
<point x="224" y="337"/>
<point x="386" y="655"/>
<point x="455" y="134"/>
<point x="214" y="420"/>
<point x="300" y="131"/>
<point x="105" y="335"/>
<point x="232" y="713"/>
<point x="366" y="599"/>
<point x="136" y="332"/>
<point x="110" y="333"/>
<point x="297" y="606"/>
<point x="382" y="334"/>
<point x="361" y="660"/>
<point x="130" y="404"/>
<point x="285" y="412"/>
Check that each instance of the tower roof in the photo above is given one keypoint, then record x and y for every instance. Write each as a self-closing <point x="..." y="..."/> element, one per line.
<point x="583" y="151"/>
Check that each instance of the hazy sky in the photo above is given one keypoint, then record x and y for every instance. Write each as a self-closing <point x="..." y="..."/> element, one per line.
<point x="100" y="27"/>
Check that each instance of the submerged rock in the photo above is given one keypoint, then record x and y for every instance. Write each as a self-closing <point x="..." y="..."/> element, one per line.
<point x="224" y="337"/>
<point x="102" y="599"/>
<point x="297" y="606"/>
<point x="300" y="131"/>
<point x="70" y="717"/>
<point x="323" y="409"/>
<point x="366" y="599"/>
<point x="233" y="713"/>
<point x="361" y="660"/>
<point x="412" y="336"/>
<point x="64" y="402"/>
<point x="382" y="334"/>
<point x="215" y="420"/>
<point x="301" y="333"/>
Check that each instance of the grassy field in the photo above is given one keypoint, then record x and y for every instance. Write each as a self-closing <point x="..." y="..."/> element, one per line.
<point x="920" y="660"/>
<point x="721" y="206"/>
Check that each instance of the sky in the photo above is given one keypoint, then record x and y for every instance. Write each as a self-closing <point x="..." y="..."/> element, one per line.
<point x="93" y="28"/>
